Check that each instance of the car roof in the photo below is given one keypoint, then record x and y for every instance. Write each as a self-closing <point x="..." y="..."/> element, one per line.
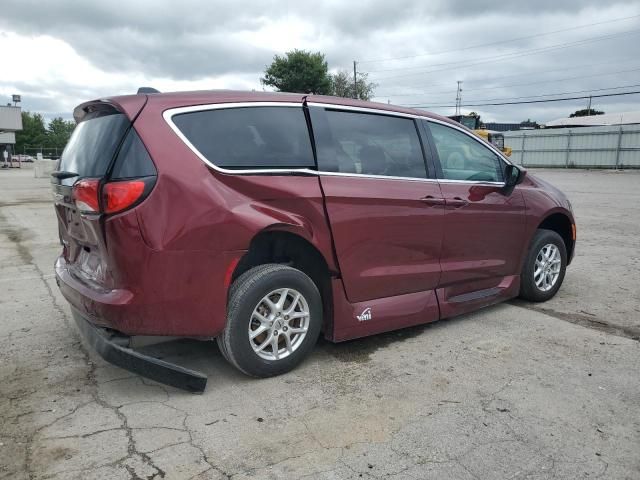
<point x="202" y="97"/>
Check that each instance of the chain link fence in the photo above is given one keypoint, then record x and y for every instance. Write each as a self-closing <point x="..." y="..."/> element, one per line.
<point x="30" y="153"/>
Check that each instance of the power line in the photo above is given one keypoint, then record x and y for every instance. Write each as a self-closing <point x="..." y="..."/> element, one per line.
<point x="555" y="80"/>
<point x="530" y="101"/>
<point x="547" y="94"/>
<point x="509" y="56"/>
<point x="514" y="85"/>
<point x="500" y="42"/>
<point x="528" y="74"/>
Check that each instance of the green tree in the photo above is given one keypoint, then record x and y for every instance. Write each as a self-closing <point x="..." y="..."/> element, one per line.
<point x="585" y="112"/>
<point x="58" y="133"/>
<point x="342" y="85"/>
<point x="36" y="134"/>
<point x="299" y="71"/>
<point x="33" y="133"/>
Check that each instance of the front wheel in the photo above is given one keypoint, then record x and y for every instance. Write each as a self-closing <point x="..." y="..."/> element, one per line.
<point x="273" y="320"/>
<point x="544" y="267"/>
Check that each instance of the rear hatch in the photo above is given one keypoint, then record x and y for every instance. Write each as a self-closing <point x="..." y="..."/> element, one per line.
<point x="104" y="171"/>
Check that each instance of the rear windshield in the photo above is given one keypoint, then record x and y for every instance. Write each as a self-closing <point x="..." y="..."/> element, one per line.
<point x="250" y="137"/>
<point x="92" y="146"/>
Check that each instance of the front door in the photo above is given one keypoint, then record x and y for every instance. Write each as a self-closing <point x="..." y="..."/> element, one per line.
<point x="484" y="225"/>
<point x="386" y="214"/>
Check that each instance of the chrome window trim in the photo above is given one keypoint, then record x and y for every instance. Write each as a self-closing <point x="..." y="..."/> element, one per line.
<point x="377" y="111"/>
<point x="412" y="179"/>
<point x="171" y="112"/>
<point x="376" y="177"/>
<point x="472" y="182"/>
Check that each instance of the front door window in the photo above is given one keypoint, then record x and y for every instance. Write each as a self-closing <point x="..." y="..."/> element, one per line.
<point x="463" y="157"/>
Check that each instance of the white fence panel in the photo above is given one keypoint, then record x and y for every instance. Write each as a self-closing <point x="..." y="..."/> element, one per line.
<point x="629" y="159"/>
<point x="610" y="146"/>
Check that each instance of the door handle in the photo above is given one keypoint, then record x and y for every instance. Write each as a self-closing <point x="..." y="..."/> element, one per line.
<point x="456" y="202"/>
<point x="433" y="201"/>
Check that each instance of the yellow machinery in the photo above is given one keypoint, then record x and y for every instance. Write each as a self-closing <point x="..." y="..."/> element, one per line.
<point x="473" y="123"/>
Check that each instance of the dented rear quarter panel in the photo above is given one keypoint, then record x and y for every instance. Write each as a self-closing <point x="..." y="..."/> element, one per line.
<point x="208" y="209"/>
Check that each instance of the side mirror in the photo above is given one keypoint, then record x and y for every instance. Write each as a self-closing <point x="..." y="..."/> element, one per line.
<point x="513" y="175"/>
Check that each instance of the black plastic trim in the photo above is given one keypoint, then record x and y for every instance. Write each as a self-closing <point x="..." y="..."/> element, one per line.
<point x="147" y="90"/>
<point x="434" y="157"/>
<point x="477" y="295"/>
<point x="109" y="347"/>
<point x="427" y="152"/>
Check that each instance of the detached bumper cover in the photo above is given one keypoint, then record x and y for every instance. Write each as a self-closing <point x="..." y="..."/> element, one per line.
<point x="114" y="350"/>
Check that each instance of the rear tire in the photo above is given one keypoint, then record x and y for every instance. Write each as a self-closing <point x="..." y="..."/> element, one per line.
<point x="274" y="317"/>
<point x="544" y="267"/>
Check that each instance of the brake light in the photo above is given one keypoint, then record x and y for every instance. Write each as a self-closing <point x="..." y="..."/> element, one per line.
<point x="85" y="195"/>
<point x="118" y="196"/>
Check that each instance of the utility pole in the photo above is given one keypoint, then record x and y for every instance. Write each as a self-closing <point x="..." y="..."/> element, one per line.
<point x="355" y="81"/>
<point x="589" y="107"/>
<point x="459" y="97"/>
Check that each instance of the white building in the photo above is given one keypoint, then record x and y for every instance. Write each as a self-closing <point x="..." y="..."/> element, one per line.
<point x="10" y="123"/>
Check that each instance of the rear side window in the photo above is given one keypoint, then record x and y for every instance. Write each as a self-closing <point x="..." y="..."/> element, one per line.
<point x="133" y="160"/>
<point x="369" y="144"/>
<point x="92" y="145"/>
<point x="249" y="137"/>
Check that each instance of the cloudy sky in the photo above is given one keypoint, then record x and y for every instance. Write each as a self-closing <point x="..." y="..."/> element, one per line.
<point x="58" y="54"/>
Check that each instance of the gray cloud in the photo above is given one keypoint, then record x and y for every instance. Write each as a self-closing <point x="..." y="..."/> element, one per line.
<point x="190" y="40"/>
<point x="179" y="40"/>
<point x="185" y="56"/>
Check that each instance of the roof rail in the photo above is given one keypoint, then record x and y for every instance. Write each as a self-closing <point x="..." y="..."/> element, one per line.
<point x="147" y="90"/>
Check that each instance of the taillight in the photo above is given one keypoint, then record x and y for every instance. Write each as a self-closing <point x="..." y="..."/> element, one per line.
<point x="118" y="196"/>
<point x="85" y="195"/>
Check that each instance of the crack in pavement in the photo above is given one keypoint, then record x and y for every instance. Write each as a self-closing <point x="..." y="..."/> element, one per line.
<point x="584" y="320"/>
<point x="17" y="237"/>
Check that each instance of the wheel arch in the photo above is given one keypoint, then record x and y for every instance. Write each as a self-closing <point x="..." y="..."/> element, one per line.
<point x="560" y="223"/>
<point x="289" y="246"/>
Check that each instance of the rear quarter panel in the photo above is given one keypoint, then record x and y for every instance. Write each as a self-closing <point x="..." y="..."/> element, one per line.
<point x="208" y="209"/>
<point x="199" y="221"/>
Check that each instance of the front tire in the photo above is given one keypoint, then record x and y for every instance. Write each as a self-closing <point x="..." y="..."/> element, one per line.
<point x="274" y="317"/>
<point x="544" y="268"/>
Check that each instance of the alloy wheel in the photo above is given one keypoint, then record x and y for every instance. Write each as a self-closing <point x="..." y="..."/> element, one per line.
<point x="547" y="267"/>
<point x="279" y="324"/>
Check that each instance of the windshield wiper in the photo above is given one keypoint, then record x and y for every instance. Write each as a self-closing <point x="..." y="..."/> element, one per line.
<point x="62" y="174"/>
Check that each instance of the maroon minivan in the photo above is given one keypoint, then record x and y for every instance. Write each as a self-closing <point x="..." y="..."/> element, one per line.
<point x="264" y="219"/>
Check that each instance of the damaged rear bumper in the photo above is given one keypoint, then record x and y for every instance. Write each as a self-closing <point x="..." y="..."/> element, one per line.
<point x="114" y="349"/>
